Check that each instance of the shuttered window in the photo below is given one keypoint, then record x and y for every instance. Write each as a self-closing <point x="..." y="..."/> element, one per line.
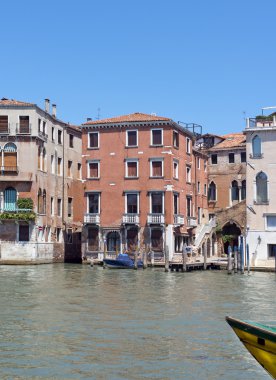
<point x="24" y="124"/>
<point x="93" y="140"/>
<point x="156" y="169"/>
<point x="4" y="124"/>
<point x="10" y="157"/>
<point x="132" y="169"/>
<point x="10" y="199"/>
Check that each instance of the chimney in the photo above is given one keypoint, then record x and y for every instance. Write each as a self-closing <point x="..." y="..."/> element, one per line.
<point x="47" y="105"/>
<point x="89" y="119"/>
<point x="54" y="110"/>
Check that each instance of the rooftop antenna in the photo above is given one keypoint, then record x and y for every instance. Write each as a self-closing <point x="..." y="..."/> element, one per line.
<point x="267" y="108"/>
<point x="98" y="114"/>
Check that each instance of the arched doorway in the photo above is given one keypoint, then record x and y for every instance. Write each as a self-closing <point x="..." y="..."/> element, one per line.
<point x="113" y="241"/>
<point x="230" y="235"/>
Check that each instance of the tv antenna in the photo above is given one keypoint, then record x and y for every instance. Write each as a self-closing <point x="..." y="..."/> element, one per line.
<point x="98" y="114"/>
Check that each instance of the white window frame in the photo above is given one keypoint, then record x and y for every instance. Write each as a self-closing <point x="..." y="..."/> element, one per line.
<point x="71" y="169"/>
<point x="154" y="160"/>
<point x="198" y="163"/>
<point x="188" y="177"/>
<point x="88" y="169"/>
<point x="138" y="200"/>
<point x="177" y="169"/>
<point x="61" y="166"/>
<point x="132" y="130"/>
<point x="151" y="136"/>
<point x="52" y="206"/>
<point x="175" y="133"/>
<point x="266" y="225"/>
<point x="60" y="143"/>
<point x="79" y="173"/>
<point x="61" y="207"/>
<point x="126" y="167"/>
<point x="94" y="147"/>
<point x="150" y="202"/>
<point x="99" y="201"/>
<point x="188" y="145"/>
<point x="53" y="164"/>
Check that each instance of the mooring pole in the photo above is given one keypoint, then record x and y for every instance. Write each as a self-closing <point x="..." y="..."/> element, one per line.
<point x="184" y="258"/>
<point x="145" y="259"/>
<point x="205" y="257"/>
<point x="135" y="260"/>
<point x="247" y="258"/>
<point x="236" y="259"/>
<point x="229" y="266"/>
<point x="166" y="259"/>
<point x="241" y="255"/>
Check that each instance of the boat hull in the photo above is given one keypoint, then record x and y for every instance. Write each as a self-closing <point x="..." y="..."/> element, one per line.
<point x="260" y="341"/>
<point x="121" y="264"/>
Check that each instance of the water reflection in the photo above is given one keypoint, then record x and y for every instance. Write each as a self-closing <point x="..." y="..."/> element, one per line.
<point x="77" y="322"/>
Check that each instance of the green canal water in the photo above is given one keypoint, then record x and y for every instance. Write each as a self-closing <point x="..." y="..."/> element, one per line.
<point x="77" y="322"/>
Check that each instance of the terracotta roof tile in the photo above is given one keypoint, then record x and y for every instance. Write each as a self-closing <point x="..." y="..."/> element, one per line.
<point x="13" y="102"/>
<point x="133" y="117"/>
<point x="231" y="140"/>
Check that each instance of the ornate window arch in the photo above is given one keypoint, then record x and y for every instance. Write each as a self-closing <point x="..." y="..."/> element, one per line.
<point x="261" y="187"/>
<point x="235" y="191"/>
<point x="10" y="157"/>
<point x="10" y="198"/>
<point x="256" y="147"/>
<point x="212" y="192"/>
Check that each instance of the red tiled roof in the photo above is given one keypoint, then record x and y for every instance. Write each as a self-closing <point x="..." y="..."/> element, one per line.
<point x="131" y="118"/>
<point x="231" y="140"/>
<point x="13" y="102"/>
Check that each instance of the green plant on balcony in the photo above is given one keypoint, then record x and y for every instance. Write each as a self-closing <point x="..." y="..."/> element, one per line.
<point x="25" y="203"/>
<point x="24" y="216"/>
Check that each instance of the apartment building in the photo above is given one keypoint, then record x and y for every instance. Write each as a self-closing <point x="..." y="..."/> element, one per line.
<point x="145" y="185"/>
<point x="261" y="187"/>
<point x="226" y="185"/>
<point x="40" y="184"/>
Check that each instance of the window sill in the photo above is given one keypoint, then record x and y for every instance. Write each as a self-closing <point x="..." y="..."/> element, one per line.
<point x="176" y="147"/>
<point x="93" y="148"/>
<point x="161" y="177"/>
<point x="256" y="156"/>
<point x="176" y="178"/>
<point x="156" y="145"/>
<point x="188" y="182"/>
<point x="131" y="177"/>
<point x="131" y="146"/>
<point x="261" y="203"/>
<point x="93" y="178"/>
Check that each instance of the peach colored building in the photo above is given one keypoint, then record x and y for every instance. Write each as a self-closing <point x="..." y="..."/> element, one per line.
<point x="40" y="184"/>
<point x="145" y="185"/>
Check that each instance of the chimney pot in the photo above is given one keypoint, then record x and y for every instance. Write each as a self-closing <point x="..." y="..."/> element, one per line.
<point x="54" y="110"/>
<point x="47" y="105"/>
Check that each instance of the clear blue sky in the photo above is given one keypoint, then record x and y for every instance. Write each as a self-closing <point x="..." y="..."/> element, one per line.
<point x="207" y="62"/>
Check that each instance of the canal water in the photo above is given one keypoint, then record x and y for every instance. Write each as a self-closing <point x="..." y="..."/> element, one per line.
<point x="77" y="322"/>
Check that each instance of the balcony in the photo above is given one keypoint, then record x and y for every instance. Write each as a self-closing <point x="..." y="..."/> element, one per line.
<point x="12" y="212"/>
<point x="156" y="219"/>
<point x="178" y="219"/>
<point x="261" y="122"/>
<point x="43" y="135"/>
<point x="23" y="129"/>
<point x="191" y="221"/>
<point x="131" y="219"/>
<point x="92" y="218"/>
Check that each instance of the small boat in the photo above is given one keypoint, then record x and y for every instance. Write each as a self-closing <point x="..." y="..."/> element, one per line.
<point x="260" y="340"/>
<point x="122" y="261"/>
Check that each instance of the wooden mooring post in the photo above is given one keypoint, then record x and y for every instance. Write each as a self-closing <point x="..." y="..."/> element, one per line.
<point x="235" y="259"/>
<point x="184" y="258"/>
<point x="166" y="259"/>
<point x="205" y="258"/>
<point x="229" y="263"/>
<point x="135" y="260"/>
<point x="145" y="259"/>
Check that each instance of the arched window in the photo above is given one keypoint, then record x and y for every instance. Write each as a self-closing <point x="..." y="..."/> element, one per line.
<point x="10" y="197"/>
<point x="256" y="147"/>
<point x="44" y="202"/>
<point x="39" y="202"/>
<point x="212" y="192"/>
<point x="261" y="188"/>
<point x="235" y="191"/>
<point x="243" y="190"/>
<point x="10" y="157"/>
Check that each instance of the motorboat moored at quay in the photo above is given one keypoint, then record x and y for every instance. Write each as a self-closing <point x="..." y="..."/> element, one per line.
<point x="122" y="261"/>
<point x="260" y="341"/>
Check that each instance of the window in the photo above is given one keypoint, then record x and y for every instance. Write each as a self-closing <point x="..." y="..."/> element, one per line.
<point x="44" y="201"/>
<point x="214" y="159"/>
<point x="94" y="203"/>
<point x="131" y="168"/>
<point x="156" y="168"/>
<point x="157" y="137"/>
<point x="198" y="187"/>
<point x="271" y="222"/>
<point x="205" y="189"/>
<point x="205" y="166"/>
<point x="198" y="215"/>
<point x="93" y="140"/>
<point x="175" y="203"/>
<point x="189" y="206"/>
<point x="71" y="141"/>
<point x="10" y="158"/>
<point x="175" y="169"/>
<point x="231" y="158"/>
<point x="44" y="160"/>
<point x="52" y="164"/>
<point x="198" y="162"/>
<point x="59" y="235"/>
<point x="39" y="158"/>
<point x="243" y="156"/>
<point x="261" y="188"/>
<point x="59" y="207"/>
<point x="188" y="174"/>
<point x="212" y="192"/>
<point x="188" y="145"/>
<point x="10" y="198"/>
<point x="235" y="191"/>
<point x="157" y="203"/>
<point x="4" y="124"/>
<point x="59" y="137"/>
<point x="52" y="206"/>
<point x="175" y="139"/>
<point x="70" y="207"/>
<point x="44" y="127"/>
<point x="132" y="203"/>
<point x="243" y="190"/>
<point x="94" y="169"/>
<point x="24" y="124"/>
<point x="23" y="232"/>
<point x="256" y="147"/>
<point x="39" y="125"/>
<point x="79" y="171"/>
<point x="271" y="250"/>
<point x="59" y="166"/>
<point x="53" y="134"/>
<point x="39" y="202"/>
<point x="131" y="138"/>
<point x="69" y="169"/>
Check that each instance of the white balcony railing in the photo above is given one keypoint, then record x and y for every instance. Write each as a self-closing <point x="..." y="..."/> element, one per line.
<point x="92" y="218"/>
<point x="191" y="221"/>
<point x="131" y="219"/>
<point x="178" y="219"/>
<point x="156" y="218"/>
